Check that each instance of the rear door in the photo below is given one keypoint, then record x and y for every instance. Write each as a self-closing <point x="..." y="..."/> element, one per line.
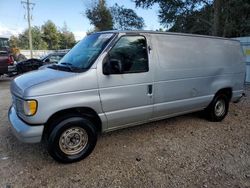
<point x="127" y="97"/>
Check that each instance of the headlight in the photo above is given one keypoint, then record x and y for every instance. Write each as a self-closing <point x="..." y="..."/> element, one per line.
<point x="29" y="107"/>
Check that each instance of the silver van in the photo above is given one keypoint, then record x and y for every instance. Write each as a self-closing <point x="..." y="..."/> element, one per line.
<point x="116" y="79"/>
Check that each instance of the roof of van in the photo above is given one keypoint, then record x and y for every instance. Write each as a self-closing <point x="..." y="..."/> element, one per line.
<point x="165" y="33"/>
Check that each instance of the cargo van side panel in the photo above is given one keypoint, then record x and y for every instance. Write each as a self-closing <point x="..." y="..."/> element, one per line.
<point x="190" y="70"/>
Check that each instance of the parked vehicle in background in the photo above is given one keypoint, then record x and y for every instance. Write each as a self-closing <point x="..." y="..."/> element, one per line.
<point x="112" y="80"/>
<point x="6" y="59"/>
<point x="34" y="64"/>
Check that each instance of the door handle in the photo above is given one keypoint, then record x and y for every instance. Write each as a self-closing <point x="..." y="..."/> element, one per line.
<point x="150" y="90"/>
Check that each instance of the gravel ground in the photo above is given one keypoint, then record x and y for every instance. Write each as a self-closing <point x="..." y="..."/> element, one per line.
<point x="185" y="151"/>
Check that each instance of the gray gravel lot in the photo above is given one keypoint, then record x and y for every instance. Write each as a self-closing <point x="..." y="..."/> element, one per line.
<point x="185" y="151"/>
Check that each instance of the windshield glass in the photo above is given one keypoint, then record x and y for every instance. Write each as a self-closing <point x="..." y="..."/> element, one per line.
<point x="83" y="55"/>
<point x="4" y="44"/>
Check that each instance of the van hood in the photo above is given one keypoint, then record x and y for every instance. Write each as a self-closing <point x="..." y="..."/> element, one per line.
<point x="28" y="80"/>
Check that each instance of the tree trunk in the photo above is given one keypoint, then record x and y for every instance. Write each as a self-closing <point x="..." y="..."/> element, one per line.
<point x="225" y="30"/>
<point x="217" y="15"/>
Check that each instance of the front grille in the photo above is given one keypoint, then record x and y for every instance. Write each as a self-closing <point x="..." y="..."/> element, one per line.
<point x="17" y="103"/>
<point x="19" y="106"/>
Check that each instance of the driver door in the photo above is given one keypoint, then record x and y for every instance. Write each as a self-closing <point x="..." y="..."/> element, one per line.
<point x="126" y="92"/>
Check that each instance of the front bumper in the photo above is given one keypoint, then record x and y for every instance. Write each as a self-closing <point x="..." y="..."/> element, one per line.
<point x="11" y="68"/>
<point x="23" y="131"/>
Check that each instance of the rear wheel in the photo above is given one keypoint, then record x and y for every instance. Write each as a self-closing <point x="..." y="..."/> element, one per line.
<point x="72" y="139"/>
<point x="218" y="108"/>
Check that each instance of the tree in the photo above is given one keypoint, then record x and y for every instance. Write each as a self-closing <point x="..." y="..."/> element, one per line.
<point x="198" y="22"/>
<point x="171" y="10"/>
<point x="125" y="19"/>
<point x="217" y="17"/>
<point x="22" y="41"/>
<point x="100" y="16"/>
<point x="227" y="18"/>
<point x="38" y="42"/>
<point x="235" y="18"/>
<point x="50" y="35"/>
<point x="66" y="38"/>
<point x="14" y="41"/>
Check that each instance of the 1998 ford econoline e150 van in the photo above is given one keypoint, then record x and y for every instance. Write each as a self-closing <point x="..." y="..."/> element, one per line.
<point x="115" y="79"/>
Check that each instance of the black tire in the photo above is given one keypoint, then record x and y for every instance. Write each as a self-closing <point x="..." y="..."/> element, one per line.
<point x="71" y="122"/>
<point x="212" y="113"/>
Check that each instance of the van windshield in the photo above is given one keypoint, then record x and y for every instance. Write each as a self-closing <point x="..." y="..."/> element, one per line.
<point x="83" y="55"/>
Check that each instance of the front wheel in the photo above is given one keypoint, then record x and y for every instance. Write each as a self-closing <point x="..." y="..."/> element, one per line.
<point x="218" y="108"/>
<point x="72" y="139"/>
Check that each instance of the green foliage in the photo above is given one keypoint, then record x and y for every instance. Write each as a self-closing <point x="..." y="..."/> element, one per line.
<point x="160" y="30"/>
<point x="115" y="17"/>
<point x="198" y="22"/>
<point x="125" y="19"/>
<point x="14" y="41"/>
<point x="235" y="18"/>
<point x="100" y="16"/>
<point x="66" y="38"/>
<point x="46" y="37"/>
<point x="22" y="41"/>
<point x="51" y="35"/>
<point x="178" y="12"/>
<point x="227" y="18"/>
<point x="38" y="42"/>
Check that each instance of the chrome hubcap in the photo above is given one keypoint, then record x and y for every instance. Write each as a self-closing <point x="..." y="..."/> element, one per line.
<point x="73" y="140"/>
<point x="220" y="108"/>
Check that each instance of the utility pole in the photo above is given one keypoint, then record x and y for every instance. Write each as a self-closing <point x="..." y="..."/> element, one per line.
<point x="28" y="6"/>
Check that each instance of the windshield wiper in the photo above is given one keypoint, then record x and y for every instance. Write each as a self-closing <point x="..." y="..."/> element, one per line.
<point x="54" y="66"/>
<point x="73" y="68"/>
<point x="59" y="67"/>
<point x="68" y="65"/>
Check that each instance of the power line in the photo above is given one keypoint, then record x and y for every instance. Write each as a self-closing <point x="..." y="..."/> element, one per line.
<point x="28" y="6"/>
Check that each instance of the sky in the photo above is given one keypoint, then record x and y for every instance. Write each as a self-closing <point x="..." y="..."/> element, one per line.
<point x="71" y="12"/>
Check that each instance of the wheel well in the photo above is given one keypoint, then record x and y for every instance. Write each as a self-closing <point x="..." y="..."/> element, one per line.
<point x="226" y="91"/>
<point x="83" y="111"/>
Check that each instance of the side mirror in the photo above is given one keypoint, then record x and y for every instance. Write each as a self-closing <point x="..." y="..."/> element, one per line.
<point x="113" y="66"/>
<point x="106" y="67"/>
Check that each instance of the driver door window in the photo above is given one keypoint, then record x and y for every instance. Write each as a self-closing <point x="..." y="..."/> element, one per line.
<point x="131" y="51"/>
